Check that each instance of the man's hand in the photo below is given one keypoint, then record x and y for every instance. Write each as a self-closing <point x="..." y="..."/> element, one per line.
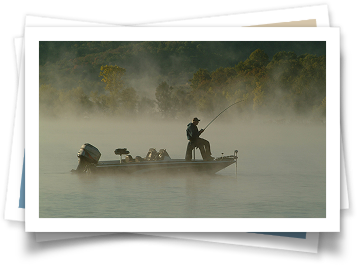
<point x="201" y="131"/>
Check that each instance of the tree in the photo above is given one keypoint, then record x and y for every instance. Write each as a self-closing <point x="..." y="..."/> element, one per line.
<point x="164" y="99"/>
<point x="258" y="59"/>
<point x="201" y="79"/>
<point x="284" y="69"/>
<point x="48" y="100"/>
<point x="283" y="55"/>
<point x="221" y="76"/>
<point x="112" y="75"/>
<point x="259" y="96"/>
<point x="146" y="106"/>
<point x="129" y="100"/>
<point x="182" y="101"/>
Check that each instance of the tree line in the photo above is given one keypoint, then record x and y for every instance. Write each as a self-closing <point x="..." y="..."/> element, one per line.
<point x="287" y="83"/>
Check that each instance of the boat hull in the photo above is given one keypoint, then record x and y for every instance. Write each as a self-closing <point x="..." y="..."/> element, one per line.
<point x="171" y="167"/>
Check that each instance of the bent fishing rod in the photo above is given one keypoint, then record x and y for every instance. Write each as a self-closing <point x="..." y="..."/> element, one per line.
<point x="222" y="112"/>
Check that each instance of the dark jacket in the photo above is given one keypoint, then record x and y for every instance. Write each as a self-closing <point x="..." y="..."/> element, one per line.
<point x="192" y="132"/>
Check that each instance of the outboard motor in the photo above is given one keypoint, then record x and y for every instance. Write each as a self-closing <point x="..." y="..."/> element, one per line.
<point x="88" y="154"/>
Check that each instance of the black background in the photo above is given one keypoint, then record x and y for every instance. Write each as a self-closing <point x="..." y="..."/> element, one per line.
<point x="135" y="248"/>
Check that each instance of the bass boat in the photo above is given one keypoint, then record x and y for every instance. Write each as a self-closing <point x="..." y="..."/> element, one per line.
<point x="154" y="162"/>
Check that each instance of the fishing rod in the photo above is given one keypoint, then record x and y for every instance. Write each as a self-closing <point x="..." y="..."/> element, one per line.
<point x="222" y="112"/>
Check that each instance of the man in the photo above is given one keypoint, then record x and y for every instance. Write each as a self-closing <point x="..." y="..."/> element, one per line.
<point x="194" y="140"/>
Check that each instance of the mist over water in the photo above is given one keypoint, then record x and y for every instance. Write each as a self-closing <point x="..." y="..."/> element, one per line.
<point x="154" y="89"/>
<point x="281" y="170"/>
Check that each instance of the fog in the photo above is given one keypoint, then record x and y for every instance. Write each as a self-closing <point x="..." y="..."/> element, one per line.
<point x="138" y="135"/>
<point x="278" y="129"/>
<point x="282" y="81"/>
<point x="281" y="170"/>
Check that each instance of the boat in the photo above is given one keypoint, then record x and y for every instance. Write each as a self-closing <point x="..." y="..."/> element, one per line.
<point x="154" y="162"/>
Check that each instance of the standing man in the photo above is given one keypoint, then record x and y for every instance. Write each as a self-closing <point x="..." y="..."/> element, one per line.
<point x="194" y="140"/>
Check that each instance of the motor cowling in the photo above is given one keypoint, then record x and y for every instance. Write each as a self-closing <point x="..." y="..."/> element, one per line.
<point x="87" y="155"/>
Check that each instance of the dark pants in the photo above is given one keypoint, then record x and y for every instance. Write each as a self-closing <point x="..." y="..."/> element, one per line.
<point x="202" y="144"/>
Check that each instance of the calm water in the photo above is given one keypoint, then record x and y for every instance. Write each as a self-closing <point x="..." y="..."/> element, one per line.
<point x="281" y="172"/>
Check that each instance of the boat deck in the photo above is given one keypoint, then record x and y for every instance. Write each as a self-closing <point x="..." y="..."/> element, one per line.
<point x="169" y="166"/>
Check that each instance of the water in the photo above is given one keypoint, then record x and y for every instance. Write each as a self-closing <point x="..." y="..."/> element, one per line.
<point x="281" y="172"/>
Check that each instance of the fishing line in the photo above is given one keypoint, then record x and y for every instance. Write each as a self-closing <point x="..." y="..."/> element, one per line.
<point x="222" y="112"/>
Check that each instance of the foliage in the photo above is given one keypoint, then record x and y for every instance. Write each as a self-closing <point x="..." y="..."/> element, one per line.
<point x="164" y="99"/>
<point x="112" y="76"/>
<point x="71" y="84"/>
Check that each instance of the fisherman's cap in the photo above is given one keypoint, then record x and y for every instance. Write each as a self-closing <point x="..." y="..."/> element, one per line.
<point x="195" y="119"/>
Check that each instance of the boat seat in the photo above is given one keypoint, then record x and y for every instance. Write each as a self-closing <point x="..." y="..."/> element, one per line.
<point x="129" y="159"/>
